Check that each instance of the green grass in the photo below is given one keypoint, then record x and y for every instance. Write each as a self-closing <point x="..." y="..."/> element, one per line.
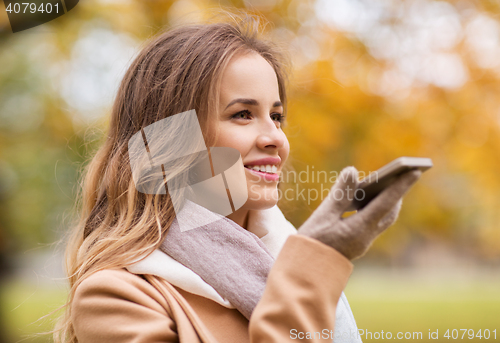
<point x="23" y="304"/>
<point x="425" y="304"/>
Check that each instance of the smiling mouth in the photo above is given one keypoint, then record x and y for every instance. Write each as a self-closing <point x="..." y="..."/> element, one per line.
<point x="268" y="169"/>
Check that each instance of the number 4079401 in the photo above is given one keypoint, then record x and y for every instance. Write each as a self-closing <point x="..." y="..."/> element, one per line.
<point x="470" y="334"/>
<point x="32" y="7"/>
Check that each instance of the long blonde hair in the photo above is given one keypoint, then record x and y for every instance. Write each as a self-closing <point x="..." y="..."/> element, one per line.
<point x="178" y="70"/>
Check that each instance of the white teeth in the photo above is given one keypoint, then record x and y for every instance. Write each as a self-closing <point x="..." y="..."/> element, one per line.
<point x="265" y="168"/>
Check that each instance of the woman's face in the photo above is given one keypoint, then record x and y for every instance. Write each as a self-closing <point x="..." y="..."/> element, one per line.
<point x="250" y="117"/>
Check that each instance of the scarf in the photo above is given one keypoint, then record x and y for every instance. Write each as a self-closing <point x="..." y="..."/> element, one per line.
<point x="234" y="261"/>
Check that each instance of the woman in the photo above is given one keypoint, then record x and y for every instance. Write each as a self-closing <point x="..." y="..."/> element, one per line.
<point x="135" y="277"/>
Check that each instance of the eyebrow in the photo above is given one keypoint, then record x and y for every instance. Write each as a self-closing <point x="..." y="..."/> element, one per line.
<point x="252" y="102"/>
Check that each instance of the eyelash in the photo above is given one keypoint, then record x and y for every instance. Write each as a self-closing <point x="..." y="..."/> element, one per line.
<point x="247" y="112"/>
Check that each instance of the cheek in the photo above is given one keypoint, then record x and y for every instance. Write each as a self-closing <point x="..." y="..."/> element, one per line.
<point x="234" y="138"/>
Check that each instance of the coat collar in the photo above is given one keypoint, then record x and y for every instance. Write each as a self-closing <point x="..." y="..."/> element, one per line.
<point x="269" y="225"/>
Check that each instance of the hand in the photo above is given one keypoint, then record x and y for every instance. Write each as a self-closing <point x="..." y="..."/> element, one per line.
<point x="352" y="236"/>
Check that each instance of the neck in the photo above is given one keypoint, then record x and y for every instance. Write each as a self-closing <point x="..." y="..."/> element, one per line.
<point x="240" y="217"/>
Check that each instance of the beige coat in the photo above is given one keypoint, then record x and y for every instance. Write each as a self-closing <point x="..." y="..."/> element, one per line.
<point x="301" y="295"/>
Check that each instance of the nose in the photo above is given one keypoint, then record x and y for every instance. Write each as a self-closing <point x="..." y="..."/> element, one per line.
<point x="270" y="136"/>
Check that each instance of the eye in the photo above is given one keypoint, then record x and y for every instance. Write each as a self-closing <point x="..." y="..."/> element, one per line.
<point x="245" y="114"/>
<point x="278" y="117"/>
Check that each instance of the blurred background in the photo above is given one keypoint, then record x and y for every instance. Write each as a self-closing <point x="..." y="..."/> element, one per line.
<point x="373" y="80"/>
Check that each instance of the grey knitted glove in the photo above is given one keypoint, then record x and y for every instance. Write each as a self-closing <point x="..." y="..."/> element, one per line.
<point x="352" y="236"/>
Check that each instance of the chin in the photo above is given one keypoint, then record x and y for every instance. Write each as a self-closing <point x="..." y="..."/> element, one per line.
<point x="261" y="198"/>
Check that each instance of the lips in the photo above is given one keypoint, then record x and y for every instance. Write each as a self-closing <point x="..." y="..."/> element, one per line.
<point x="266" y="168"/>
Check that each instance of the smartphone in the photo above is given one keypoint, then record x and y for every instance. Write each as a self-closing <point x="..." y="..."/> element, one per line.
<point x="377" y="181"/>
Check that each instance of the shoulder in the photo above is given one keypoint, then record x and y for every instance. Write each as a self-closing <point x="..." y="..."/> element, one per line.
<point x="119" y="283"/>
<point x="116" y="304"/>
<point x="117" y="275"/>
<point x="107" y="278"/>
